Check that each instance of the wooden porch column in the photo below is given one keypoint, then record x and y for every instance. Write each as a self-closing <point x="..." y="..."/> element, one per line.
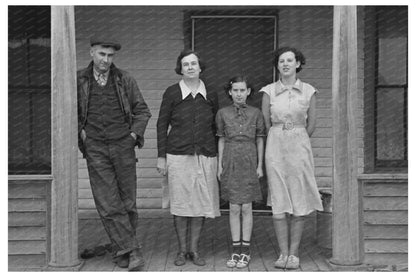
<point x="347" y="243"/>
<point x="64" y="191"/>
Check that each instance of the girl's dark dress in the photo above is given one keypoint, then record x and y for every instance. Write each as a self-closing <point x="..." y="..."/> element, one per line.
<point x="240" y="125"/>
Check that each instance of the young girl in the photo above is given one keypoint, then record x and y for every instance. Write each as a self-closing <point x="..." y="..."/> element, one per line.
<point x="240" y="129"/>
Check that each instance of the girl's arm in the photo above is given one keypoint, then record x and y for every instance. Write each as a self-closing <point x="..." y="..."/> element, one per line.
<point x="220" y="151"/>
<point x="265" y="107"/>
<point x="260" y="154"/>
<point x="311" y="121"/>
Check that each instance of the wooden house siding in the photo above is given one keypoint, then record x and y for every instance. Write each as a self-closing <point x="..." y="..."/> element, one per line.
<point x="28" y="223"/>
<point x="151" y="39"/>
<point x="385" y="218"/>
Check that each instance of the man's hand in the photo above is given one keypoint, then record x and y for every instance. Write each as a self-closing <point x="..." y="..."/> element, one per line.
<point x="83" y="135"/>
<point x="133" y="135"/>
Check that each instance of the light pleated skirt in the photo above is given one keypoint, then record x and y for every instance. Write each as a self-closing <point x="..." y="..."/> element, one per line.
<point x="193" y="185"/>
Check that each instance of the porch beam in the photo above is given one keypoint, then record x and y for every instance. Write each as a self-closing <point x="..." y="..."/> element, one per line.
<point x="347" y="240"/>
<point x="64" y="191"/>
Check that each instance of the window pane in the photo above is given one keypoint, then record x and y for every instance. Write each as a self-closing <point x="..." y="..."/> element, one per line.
<point x="390" y="124"/>
<point x="29" y="131"/>
<point x="392" y="32"/>
<point x="392" y="61"/>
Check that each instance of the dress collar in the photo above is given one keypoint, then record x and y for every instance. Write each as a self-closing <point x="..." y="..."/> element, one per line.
<point x="280" y="88"/>
<point x="186" y="90"/>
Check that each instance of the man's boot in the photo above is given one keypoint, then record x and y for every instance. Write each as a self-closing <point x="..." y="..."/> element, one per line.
<point x="136" y="260"/>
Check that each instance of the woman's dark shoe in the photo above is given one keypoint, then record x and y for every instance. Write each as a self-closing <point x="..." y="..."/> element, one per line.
<point x="196" y="259"/>
<point x="188" y="255"/>
<point x="180" y="259"/>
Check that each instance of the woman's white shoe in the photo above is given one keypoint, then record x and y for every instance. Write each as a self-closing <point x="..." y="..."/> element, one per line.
<point x="292" y="262"/>
<point x="281" y="262"/>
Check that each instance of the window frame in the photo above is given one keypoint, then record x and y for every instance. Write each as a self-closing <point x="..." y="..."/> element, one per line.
<point x="371" y="163"/>
<point x="31" y="33"/>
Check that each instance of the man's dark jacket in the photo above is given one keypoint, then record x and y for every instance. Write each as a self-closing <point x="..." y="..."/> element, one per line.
<point x="133" y="106"/>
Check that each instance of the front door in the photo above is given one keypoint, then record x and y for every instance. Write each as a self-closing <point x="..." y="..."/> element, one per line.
<point x="232" y="45"/>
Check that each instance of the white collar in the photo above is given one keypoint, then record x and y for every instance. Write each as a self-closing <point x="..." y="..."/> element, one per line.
<point x="280" y="87"/>
<point x="96" y="74"/>
<point x="186" y="90"/>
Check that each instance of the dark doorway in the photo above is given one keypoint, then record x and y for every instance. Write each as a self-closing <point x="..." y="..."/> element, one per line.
<point x="236" y="44"/>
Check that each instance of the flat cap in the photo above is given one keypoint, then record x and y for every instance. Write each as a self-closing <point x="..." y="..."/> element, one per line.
<point x="105" y="41"/>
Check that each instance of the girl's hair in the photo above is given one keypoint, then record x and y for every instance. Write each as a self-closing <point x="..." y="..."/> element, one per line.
<point x="237" y="79"/>
<point x="184" y="53"/>
<point x="298" y="56"/>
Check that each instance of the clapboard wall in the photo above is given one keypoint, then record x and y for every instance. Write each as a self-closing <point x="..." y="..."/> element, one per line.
<point x="385" y="218"/>
<point x="151" y="39"/>
<point x="28" y="227"/>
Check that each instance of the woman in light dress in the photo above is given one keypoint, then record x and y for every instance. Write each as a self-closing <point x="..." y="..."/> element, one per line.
<point x="289" y="111"/>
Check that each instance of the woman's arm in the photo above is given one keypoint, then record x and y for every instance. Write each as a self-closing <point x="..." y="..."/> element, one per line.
<point x="220" y="152"/>
<point x="265" y="108"/>
<point x="311" y="120"/>
<point x="161" y="165"/>
<point x="162" y="126"/>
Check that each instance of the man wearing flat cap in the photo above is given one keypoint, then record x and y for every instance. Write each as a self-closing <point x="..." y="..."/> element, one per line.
<point x="112" y="118"/>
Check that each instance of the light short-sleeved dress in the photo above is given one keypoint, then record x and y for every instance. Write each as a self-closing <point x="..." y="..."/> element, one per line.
<point x="240" y="125"/>
<point x="289" y="158"/>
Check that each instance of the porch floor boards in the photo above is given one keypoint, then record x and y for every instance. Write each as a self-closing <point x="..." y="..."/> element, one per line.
<point x="159" y="243"/>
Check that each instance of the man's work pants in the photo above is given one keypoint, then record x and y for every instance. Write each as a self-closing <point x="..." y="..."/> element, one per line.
<point x="112" y="172"/>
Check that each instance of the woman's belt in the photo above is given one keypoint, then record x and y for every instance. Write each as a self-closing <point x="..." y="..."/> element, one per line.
<point x="288" y="125"/>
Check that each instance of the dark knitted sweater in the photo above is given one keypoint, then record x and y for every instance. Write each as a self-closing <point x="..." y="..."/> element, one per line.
<point x="191" y="121"/>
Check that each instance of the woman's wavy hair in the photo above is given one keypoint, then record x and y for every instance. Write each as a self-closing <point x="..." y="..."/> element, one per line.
<point x="184" y="53"/>
<point x="298" y="56"/>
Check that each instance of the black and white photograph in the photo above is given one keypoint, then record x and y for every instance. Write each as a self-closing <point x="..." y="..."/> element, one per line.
<point x="208" y="137"/>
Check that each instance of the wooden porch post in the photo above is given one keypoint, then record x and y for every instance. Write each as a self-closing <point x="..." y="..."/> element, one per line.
<point x="347" y="239"/>
<point x="64" y="191"/>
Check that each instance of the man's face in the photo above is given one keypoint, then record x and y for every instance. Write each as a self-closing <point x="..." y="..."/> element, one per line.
<point x="102" y="57"/>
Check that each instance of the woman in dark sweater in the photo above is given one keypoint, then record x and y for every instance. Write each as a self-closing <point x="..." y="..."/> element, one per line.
<point x="187" y="154"/>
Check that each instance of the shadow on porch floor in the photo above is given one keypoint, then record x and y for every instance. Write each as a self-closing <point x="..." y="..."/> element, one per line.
<point x="160" y="246"/>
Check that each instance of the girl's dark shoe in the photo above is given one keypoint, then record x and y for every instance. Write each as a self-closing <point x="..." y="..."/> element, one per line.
<point x="180" y="259"/>
<point x="196" y="259"/>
